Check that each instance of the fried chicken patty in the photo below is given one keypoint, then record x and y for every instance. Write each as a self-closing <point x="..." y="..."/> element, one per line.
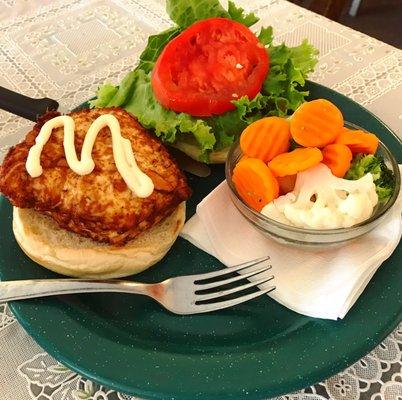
<point x="98" y="205"/>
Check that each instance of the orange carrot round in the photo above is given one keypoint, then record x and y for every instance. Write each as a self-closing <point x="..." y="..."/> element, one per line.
<point x="266" y="138"/>
<point x="337" y="157"/>
<point x="358" y="141"/>
<point x="286" y="183"/>
<point x="255" y="183"/>
<point x="316" y="123"/>
<point x="295" y="161"/>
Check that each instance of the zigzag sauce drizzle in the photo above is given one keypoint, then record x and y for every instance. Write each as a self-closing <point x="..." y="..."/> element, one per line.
<point x="138" y="182"/>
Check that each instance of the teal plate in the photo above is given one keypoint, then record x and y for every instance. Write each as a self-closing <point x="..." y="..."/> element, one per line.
<point x="255" y="350"/>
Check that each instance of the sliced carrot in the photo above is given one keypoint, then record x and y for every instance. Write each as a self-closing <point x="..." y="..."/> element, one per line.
<point x="358" y="141"/>
<point x="295" y="161"/>
<point x="316" y="123"/>
<point x="266" y="138"/>
<point x="286" y="183"/>
<point x="337" y="157"/>
<point x="255" y="183"/>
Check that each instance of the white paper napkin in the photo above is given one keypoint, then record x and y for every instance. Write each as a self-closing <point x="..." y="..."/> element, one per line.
<point x="321" y="284"/>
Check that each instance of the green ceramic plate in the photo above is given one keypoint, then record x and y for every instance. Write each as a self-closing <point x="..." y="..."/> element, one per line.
<point x="256" y="350"/>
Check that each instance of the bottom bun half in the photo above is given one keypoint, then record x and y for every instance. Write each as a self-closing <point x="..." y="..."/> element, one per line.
<point x="70" y="254"/>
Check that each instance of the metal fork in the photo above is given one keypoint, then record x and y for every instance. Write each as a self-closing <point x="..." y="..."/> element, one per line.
<point x="180" y="295"/>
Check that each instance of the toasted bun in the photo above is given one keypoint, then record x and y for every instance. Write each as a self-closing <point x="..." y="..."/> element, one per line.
<point x="70" y="254"/>
<point x="215" y="157"/>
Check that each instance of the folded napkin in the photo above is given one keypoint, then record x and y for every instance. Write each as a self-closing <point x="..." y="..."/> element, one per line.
<point x="318" y="283"/>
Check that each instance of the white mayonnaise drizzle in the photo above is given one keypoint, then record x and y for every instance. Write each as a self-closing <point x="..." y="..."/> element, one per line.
<point x="138" y="182"/>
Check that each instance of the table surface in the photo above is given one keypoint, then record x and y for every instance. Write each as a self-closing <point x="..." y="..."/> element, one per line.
<point x="66" y="49"/>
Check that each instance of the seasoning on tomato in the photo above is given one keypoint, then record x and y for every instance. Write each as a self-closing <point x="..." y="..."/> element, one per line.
<point x="211" y="63"/>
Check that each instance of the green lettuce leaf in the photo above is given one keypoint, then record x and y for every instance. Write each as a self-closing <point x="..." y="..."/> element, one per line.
<point x="104" y="94"/>
<point x="288" y="72"/>
<point x="156" y="43"/>
<point x="226" y="128"/>
<point x="237" y="14"/>
<point x="304" y="57"/>
<point x="266" y="36"/>
<point x="186" y="12"/>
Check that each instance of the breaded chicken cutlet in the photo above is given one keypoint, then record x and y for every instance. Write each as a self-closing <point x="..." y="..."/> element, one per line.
<point x="98" y="205"/>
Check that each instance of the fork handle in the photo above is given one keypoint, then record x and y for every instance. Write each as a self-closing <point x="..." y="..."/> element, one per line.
<point x="28" y="289"/>
<point x="24" y="106"/>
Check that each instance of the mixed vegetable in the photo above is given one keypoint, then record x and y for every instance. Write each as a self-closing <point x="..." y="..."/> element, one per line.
<point x="305" y="186"/>
<point x="204" y="80"/>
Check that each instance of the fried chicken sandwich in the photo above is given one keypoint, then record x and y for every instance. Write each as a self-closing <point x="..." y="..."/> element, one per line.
<point x="113" y="212"/>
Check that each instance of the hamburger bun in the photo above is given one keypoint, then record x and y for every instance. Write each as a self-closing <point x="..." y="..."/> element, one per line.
<point x="70" y="254"/>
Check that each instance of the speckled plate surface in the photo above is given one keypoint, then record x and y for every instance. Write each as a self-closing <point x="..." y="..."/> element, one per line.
<point x="256" y="350"/>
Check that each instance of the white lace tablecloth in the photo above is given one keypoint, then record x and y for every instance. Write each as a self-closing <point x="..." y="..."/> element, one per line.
<point x="65" y="49"/>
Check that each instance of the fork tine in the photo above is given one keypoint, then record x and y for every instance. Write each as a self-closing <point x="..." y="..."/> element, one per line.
<point x="202" y="308"/>
<point x="222" y="293"/>
<point x="229" y="270"/>
<point x="203" y="286"/>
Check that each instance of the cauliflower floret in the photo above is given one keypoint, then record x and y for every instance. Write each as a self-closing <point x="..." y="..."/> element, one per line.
<point x="320" y="200"/>
<point x="275" y="209"/>
<point x="357" y="205"/>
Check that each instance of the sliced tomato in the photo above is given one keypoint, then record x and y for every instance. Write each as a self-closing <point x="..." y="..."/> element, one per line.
<point x="211" y="63"/>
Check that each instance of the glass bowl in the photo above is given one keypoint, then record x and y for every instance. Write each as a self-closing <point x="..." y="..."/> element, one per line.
<point x="304" y="237"/>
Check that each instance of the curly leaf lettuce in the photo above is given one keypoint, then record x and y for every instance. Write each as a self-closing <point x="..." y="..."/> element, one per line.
<point x="289" y="69"/>
<point x="186" y="12"/>
<point x="238" y="14"/>
<point x="156" y="44"/>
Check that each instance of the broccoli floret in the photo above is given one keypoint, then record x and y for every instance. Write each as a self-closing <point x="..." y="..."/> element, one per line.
<point x="383" y="177"/>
